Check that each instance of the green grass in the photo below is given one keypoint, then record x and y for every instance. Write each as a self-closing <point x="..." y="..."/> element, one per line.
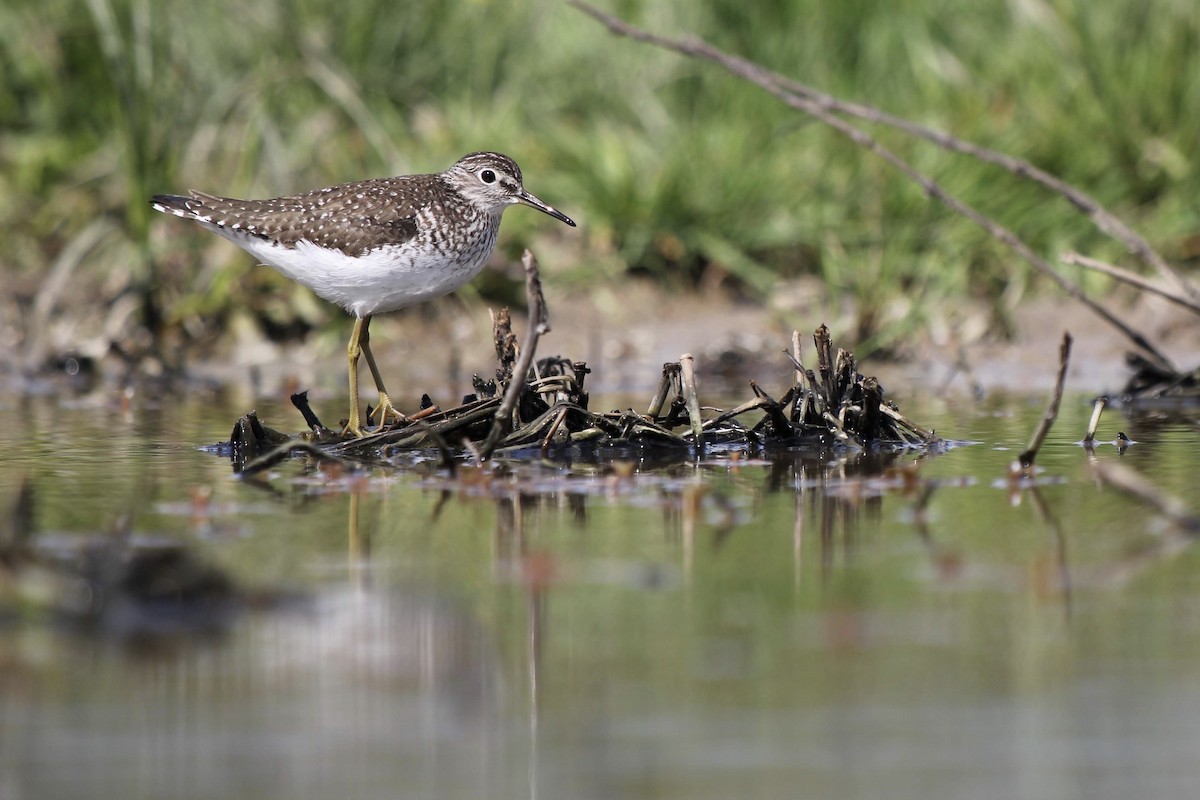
<point x="675" y="169"/>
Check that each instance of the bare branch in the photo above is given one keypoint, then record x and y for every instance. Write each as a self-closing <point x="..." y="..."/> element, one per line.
<point x="539" y="323"/>
<point x="780" y="86"/>
<point x="764" y="79"/>
<point x="1025" y="460"/>
<point x="1131" y="278"/>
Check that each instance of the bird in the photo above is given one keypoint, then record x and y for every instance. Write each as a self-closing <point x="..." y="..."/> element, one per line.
<point x="375" y="245"/>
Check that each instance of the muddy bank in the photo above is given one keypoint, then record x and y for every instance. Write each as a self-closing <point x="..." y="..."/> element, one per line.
<point x="626" y="335"/>
<point x="626" y="332"/>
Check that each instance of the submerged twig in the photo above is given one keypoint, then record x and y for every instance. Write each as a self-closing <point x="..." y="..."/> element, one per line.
<point x="1026" y="459"/>
<point x="286" y="450"/>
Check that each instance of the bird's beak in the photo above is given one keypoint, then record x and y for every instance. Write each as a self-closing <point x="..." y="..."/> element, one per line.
<point x="528" y="199"/>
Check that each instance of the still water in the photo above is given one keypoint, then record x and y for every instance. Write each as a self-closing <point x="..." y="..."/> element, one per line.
<point x="804" y="626"/>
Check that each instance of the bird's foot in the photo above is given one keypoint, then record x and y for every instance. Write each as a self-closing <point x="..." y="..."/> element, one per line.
<point x="354" y="428"/>
<point x="381" y="413"/>
<point x="384" y="410"/>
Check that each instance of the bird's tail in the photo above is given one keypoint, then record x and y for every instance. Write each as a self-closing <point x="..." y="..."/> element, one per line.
<point x="174" y="204"/>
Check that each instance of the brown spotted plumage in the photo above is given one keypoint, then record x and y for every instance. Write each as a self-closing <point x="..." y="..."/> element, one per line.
<point x="353" y="218"/>
<point x="375" y="245"/>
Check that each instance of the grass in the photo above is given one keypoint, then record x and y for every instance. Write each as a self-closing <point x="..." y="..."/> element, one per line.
<point x="676" y="170"/>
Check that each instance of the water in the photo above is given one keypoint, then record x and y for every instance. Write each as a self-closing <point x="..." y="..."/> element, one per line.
<point x="732" y="629"/>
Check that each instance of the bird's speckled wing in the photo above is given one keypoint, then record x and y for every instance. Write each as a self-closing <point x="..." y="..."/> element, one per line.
<point x="353" y="217"/>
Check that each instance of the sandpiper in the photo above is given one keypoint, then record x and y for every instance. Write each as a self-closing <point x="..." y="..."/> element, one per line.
<point x="375" y="245"/>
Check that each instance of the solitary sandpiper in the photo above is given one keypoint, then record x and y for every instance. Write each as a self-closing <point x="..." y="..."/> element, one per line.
<point x="375" y="245"/>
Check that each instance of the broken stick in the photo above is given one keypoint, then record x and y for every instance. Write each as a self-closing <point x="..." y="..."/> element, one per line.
<point x="1025" y="460"/>
<point x="539" y="323"/>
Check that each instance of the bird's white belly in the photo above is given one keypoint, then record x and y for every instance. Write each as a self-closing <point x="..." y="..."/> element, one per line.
<point x="386" y="279"/>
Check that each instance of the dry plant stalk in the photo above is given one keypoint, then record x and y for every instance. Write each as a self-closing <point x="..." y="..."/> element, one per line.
<point x="1026" y="459"/>
<point x="687" y="366"/>
<point x="1090" y="437"/>
<point x="539" y="323"/>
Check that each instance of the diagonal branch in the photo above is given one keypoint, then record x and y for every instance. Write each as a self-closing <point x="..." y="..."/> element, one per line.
<point x="775" y="83"/>
<point x="1025" y="460"/>
<point x="1131" y="278"/>
<point x="764" y="79"/>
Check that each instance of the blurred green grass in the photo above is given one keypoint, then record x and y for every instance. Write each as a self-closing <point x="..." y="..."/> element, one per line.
<point x="676" y="170"/>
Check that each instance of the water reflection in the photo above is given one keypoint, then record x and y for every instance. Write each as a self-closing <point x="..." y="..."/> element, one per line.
<point x="866" y="625"/>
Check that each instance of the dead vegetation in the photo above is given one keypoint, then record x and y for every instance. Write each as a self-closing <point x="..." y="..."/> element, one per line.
<point x="541" y="408"/>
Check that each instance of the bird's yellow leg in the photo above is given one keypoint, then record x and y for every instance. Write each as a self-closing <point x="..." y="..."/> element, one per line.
<point x="385" y="406"/>
<point x="353" y="351"/>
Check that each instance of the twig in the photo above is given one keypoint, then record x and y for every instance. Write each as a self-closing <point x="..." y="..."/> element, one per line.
<point x="780" y="85"/>
<point x="445" y="457"/>
<point x="300" y="401"/>
<point x="1131" y="278"/>
<point x="558" y="421"/>
<point x="1025" y="460"/>
<point x="824" y="345"/>
<point x="539" y="323"/>
<point x="925" y="434"/>
<point x="285" y="450"/>
<point x="798" y="364"/>
<point x="431" y="410"/>
<point x="1090" y="437"/>
<point x="725" y="416"/>
<point x="794" y="98"/>
<point x="839" y="431"/>
<point x="687" y="365"/>
<point x="443" y="423"/>
<point x="670" y="375"/>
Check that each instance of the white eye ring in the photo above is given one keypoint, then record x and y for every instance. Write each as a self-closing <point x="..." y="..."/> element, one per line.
<point x="487" y="176"/>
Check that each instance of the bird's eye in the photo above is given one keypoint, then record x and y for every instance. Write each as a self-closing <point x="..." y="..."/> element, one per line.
<point x="487" y="176"/>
